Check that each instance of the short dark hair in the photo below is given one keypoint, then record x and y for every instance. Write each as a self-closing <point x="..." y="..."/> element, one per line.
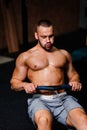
<point x="44" y="22"/>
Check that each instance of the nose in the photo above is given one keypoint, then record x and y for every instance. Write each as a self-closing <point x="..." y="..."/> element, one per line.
<point x="48" y="39"/>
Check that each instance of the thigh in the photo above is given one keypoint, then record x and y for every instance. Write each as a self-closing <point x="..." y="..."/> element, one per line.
<point x="68" y="103"/>
<point x="73" y="109"/>
<point x="35" y="106"/>
<point x="75" y="116"/>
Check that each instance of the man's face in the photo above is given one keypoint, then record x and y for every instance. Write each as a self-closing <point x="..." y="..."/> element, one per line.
<point x="45" y="37"/>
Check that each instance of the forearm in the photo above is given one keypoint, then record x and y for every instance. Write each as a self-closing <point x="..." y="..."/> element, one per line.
<point x="17" y="85"/>
<point x="74" y="77"/>
<point x="75" y="83"/>
<point x="20" y="85"/>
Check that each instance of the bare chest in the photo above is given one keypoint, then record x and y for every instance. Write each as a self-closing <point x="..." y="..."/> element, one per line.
<point x="41" y="61"/>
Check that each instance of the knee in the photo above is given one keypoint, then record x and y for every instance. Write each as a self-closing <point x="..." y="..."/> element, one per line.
<point x="82" y="122"/>
<point x="44" y="121"/>
<point x="82" y="125"/>
<point x="84" y="119"/>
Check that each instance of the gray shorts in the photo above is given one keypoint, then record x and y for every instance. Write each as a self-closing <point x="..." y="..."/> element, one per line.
<point x="59" y="105"/>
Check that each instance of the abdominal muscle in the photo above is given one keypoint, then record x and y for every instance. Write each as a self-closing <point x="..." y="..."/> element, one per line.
<point x="49" y="76"/>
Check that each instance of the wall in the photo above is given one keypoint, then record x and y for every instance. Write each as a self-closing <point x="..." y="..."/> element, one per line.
<point x="63" y="14"/>
<point x="83" y="14"/>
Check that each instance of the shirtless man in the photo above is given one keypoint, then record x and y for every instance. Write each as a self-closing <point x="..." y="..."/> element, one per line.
<point x="46" y="65"/>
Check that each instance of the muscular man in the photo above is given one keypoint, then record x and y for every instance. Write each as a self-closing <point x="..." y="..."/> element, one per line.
<point x="46" y="65"/>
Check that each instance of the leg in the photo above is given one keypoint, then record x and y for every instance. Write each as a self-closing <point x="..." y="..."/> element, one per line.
<point x="43" y="120"/>
<point x="77" y="118"/>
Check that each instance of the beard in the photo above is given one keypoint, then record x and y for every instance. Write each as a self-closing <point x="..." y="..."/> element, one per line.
<point x="48" y="46"/>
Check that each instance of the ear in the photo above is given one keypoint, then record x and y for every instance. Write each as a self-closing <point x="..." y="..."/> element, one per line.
<point x="36" y="35"/>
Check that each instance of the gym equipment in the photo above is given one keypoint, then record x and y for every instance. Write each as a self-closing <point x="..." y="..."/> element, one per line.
<point x="52" y="88"/>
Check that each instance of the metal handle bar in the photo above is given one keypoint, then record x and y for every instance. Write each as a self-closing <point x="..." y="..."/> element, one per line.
<point x="52" y="88"/>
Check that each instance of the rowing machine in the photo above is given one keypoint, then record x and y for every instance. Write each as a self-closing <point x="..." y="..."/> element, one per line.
<point x="52" y="88"/>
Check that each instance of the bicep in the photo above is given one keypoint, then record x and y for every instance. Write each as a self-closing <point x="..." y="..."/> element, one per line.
<point x="20" y="71"/>
<point x="69" y="68"/>
<point x="71" y="71"/>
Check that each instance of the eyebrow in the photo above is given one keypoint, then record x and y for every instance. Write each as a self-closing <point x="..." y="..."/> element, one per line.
<point x="48" y="35"/>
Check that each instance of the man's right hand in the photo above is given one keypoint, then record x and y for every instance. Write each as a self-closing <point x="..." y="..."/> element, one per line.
<point x="29" y="88"/>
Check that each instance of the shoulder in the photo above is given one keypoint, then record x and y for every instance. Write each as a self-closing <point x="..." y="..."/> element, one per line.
<point x="65" y="53"/>
<point x="62" y="51"/>
<point x="21" y="59"/>
<point x="24" y="56"/>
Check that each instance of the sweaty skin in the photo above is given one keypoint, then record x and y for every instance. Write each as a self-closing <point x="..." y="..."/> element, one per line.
<point x="44" y="64"/>
<point x="47" y="70"/>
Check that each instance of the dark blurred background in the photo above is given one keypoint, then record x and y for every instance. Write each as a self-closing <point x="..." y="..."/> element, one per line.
<point x="18" y="19"/>
<point x="17" y="22"/>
